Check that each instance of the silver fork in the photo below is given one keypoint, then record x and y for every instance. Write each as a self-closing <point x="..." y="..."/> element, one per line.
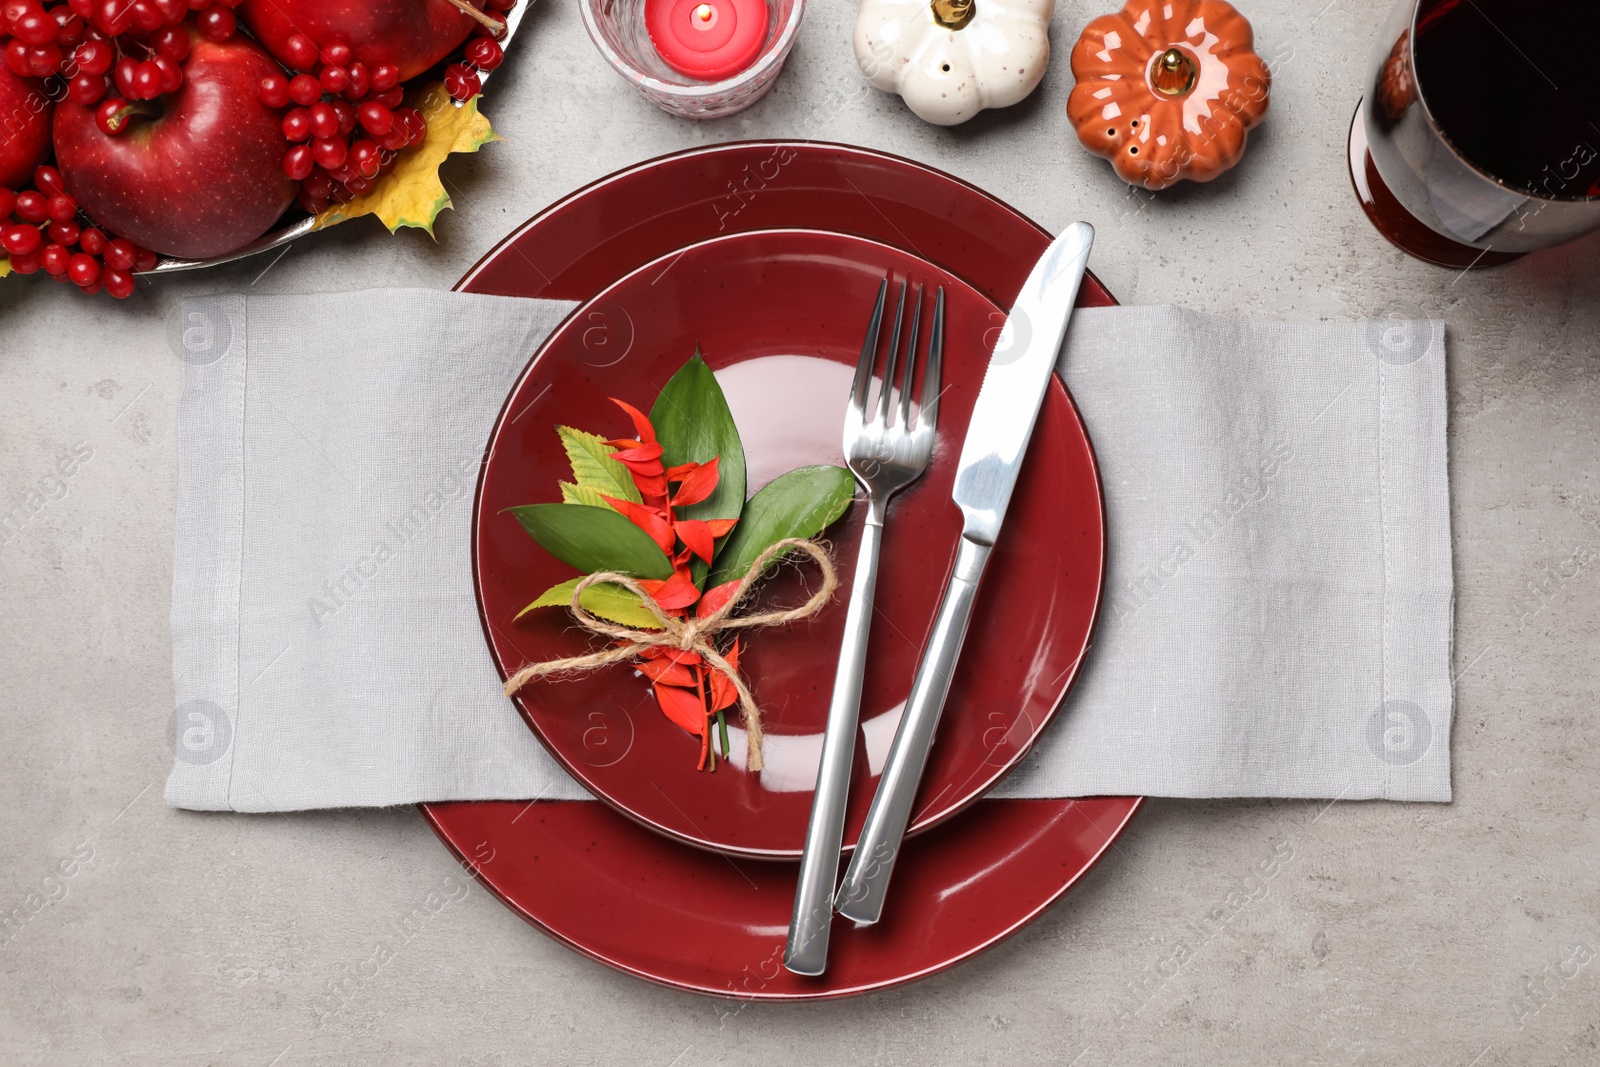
<point x="886" y="453"/>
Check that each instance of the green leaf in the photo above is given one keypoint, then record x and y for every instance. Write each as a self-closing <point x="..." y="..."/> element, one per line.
<point x="593" y="467"/>
<point x="583" y="494"/>
<point x="801" y="503"/>
<point x="593" y="539"/>
<point x="694" y="425"/>
<point x="604" y="599"/>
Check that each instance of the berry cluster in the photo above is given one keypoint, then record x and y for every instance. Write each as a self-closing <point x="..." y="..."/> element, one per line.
<point x="39" y="230"/>
<point x="483" y="52"/>
<point x="345" y="122"/>
<point x="137" y="43"/>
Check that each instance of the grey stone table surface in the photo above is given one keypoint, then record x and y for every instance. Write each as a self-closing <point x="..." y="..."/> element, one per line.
<point x="1449" y="934"/>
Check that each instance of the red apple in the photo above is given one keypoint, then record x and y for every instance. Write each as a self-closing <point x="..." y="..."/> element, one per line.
<point x="410" y="34"/>
<point x="24" y="128"/>
<point x="201" y="173"/>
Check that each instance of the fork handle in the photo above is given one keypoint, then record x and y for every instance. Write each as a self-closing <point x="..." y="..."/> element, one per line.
<point x="867" y="880"/>
<point x="806" y="951"/>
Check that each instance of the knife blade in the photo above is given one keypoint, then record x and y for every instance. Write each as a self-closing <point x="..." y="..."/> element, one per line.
<point x="1002" y="423"/>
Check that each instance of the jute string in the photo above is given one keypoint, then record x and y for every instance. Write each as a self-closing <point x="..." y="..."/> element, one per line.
<point x="689" y="634"/>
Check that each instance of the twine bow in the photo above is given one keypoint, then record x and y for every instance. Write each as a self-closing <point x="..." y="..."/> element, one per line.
<point x="689" y="634"/>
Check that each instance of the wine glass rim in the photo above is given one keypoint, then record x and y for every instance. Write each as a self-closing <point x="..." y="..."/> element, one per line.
<point x="1444" y="138"/>
<point x="776" y="52"/>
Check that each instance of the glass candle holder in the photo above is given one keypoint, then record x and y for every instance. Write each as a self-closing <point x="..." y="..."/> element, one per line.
<point x="618" y="30"/>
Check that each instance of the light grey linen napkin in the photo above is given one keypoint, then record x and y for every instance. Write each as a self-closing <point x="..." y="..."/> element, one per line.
<point x="1276" y="619"/>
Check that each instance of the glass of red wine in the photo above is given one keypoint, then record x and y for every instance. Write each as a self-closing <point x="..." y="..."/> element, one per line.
<point x="1478" y="139"/>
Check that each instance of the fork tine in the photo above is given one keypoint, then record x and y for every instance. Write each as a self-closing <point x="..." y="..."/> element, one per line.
<point x="929" y="412"/>
<point x="869" y="354"/>
<point x="910" y="363"/>
<point x="887" y="387"/>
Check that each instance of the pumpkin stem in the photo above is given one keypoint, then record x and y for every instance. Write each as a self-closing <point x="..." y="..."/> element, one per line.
<point x="954" y="14"/>
<point x="1174" y="72"/>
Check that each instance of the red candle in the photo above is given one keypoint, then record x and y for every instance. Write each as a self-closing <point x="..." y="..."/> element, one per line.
<point x="707" y="39"/>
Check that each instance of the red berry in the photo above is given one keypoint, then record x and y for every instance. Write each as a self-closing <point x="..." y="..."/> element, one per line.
<point x="8" y="200"/>
<point x="64" y="233"/>
<point x="32" y="206"/>
<point x="48" y="181"/>
<point x="144" y="259"/>
<point x="84" y="269"/>
<point x="324" y="120"/>
<point x="391" y="98"/>
<point x="146" y="16"/>
<point x="126" y="68"/>
<point x="114" y="17"/>
<point x="298" y="161"/>
<point x="305" y="90"/>
<point x="86" y="89"/>
<point x="72" y="26"/>
<point x="297" y="124"/>
<point x="35" y="27"/>
<point x="299" y="52"/>
<point x="173" y="43"/>
<point x="358" y="185"/>
<point x="120" y="254"/>
<point x="62" y="209"/>
<point x="395" y="139"/>
<point x="172" y="11"/>
<point x="112" y="115"/>
<point x="364" y="158"/>
<point x="54" y="258"/>
<point x="375" y="118"/>
<point x="84" y="8"/>
<point x="274" y="91"/>
<point x="91" y="289"/>
<point x="198" y="5"/>
<point x="17" y="58"/>
<point x="416" y="126"/>
<point x="347" y="116"/>
<point x="44" y="59"/>
<point x="329" y="152"/>
<point x="25" y="262"/>
<point x="20" y="240"/>
<point x="147" y="81"/>
<point x="338" y="53"/>
<point x="461" y="81"/>
<point x="485" y="53"/>
<point x="216" y="24"/>
<point x="92" y="241"/>
<point x="93" y="57"/>
<point x="360" y="81"/>
<point x="500" y="26"/>
<point x="171" y="74"/>
<point x="119" y="283"/>
<point x="385" y="76"/>
<point x="334" y="79"/>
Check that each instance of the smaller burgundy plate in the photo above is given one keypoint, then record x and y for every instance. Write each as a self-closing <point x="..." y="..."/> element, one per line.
<point x="779" y="315"/>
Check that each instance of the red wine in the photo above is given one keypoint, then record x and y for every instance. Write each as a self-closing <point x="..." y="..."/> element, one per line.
<point x="1515" y="86"/>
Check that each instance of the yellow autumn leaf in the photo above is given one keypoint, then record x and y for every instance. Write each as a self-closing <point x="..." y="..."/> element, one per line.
<point x="411" y="194"/>
<point x="5" y="267"/>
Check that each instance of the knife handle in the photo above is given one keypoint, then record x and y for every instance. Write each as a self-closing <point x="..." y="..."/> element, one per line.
<point x="867" y="880"/>
<point x="806" y="951"/>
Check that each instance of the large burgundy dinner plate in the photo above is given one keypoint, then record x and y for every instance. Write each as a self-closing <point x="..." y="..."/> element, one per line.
<point x="633" y="899"/>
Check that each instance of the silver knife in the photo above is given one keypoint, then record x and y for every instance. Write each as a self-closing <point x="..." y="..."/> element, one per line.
<point x="997" y="437"/>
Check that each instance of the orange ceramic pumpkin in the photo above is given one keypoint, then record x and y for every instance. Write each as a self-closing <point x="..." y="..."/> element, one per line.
<point x="1168" y="89"/>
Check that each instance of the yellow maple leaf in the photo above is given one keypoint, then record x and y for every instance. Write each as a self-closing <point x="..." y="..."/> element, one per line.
<point x="5" y="267"/>
<point x="411" y="194"/>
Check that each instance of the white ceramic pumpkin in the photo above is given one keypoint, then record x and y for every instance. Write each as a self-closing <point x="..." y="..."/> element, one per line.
<point x="950" y="59"/>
